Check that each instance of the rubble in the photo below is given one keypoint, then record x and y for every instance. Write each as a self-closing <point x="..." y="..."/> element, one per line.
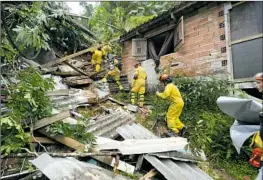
<point x="121" y="143"/>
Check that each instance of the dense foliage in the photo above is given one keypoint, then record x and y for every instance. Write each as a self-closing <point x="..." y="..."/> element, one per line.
<point x="76" y="131"/>
<point x="35" y="26"/>
<point x="28" y="103"/>
<point x="111" y="19"/>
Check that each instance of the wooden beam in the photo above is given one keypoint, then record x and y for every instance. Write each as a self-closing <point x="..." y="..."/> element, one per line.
<point x="42" y="140"/>
<point x="59" y="154"/>
<point x="116" y="101"/>
<point x="76" y="69"/>
<point x="59" y="92"/>
<point x="60" y="60"/>
<point x="150" y="174"/>
<point x="49" y="120"/>
<point x="72" y="143"/>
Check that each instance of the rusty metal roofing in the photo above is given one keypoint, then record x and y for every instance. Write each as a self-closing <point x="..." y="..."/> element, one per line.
<point x="171" y="170"/>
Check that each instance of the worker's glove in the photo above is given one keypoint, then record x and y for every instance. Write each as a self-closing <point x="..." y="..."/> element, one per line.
<point x="104" y="80"/>
<point x="135" y="76"/>
<point x="157" y="92"/>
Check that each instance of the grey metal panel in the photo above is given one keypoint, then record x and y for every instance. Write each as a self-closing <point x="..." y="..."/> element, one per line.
<point x="135" y="131"/>
<point x="70" y="168"/>
<point x="162" y="168"/>
<point x="246" y="20"/>
<point x="106" y="125"/>
<point x="247" y="58"/>
<point x="169" y="169"/>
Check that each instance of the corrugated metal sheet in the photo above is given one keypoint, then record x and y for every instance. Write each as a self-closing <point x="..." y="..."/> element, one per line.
<point x="106" y="125"/>
<point x="171" y="170"/>
<point x="177" y="170"/>
<point x="144" y="146"/>
<point x="70" y="168"/>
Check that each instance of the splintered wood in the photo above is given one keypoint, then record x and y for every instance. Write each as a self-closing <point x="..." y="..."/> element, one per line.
<point x="77" y="80"/>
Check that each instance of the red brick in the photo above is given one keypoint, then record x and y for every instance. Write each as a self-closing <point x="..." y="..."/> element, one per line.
<point x="220" y="44"/>
<point x="203" y="30"/>
<point x="188" y="30"/>
<point x="198" y="38"/>
<point x="203" y="20"/>
<point x="204" y="53"/>
<point x="208" y="46"/>
<point x="193" y="34"/>
<point x="194" y="45"/>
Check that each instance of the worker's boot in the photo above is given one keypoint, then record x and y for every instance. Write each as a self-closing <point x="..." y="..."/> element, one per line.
<point x="171" y="134"/>
<point x="182" y="132"/>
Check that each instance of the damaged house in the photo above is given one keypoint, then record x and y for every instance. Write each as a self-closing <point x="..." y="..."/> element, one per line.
<point x="200" y="39"/>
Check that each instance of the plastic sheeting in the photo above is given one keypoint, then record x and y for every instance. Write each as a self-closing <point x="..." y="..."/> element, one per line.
<point x="246" y="113"/>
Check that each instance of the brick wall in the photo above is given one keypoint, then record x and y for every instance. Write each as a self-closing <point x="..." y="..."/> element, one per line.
<point x="127" y="59"/>
<point x="203" y="50"/>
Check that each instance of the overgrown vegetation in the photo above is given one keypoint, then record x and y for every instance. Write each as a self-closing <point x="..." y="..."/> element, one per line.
<point x="76" y="131"/>
<point x="28" y="103"/>
<point x="208" y="128"/>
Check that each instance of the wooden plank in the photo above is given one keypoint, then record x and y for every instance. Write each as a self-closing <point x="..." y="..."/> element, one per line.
<point x="72" y="143"/>
<point x="77" y="80"/>
<point x="59" y="92"/>
<point x="60" y="60"/>
<point x="123" y="166"/>
<point x="49" y="120"/>
<point x="42" y="140"/>
<point x="116" y="101"/>
<point x="150" y="174"/>
<point x="76" y="69"/>
<point x="65" y="73"/>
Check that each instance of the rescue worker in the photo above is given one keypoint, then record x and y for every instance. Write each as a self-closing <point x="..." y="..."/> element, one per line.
<point x="138" y="84"/>
<point x="96" y="59"/>
<point x="115" y="74"/>
<point x="105" y="50"/>
<point x="257" y="144"/>
<point x="173" y="94"/>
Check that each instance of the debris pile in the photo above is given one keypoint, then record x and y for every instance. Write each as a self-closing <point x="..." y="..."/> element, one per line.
<point x="121" y="143"/>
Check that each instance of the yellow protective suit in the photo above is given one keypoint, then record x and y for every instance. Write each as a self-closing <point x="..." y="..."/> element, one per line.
<point x="138" y="86"/>
<point x="115" y="74"/>
<point x="105" y="50"/>
<point x="256" y="141"/>
<point x="172" y="93"/>
<point x="97" y="59"/>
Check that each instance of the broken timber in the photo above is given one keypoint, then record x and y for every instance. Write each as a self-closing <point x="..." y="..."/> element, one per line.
<point x="42" y="140"/>
<point x="49" y="120"/>
<point x="77" y="80"/>
<point x="75" y="68"/>
<point x="59" y="92"/>
<point x="60" y="60"/>
<point x="116" y="101"/>
<point x="72" y="143"/>
<point x="22" y="155"/>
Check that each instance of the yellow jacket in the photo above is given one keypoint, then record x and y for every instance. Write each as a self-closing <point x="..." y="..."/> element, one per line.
<point x="171" y="93"/>
<point x="96" y="57"/>
<point x="140" y="73"/>
<point x="114" y="73"/>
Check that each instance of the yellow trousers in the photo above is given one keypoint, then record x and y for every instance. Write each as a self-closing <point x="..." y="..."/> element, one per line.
<point x="173" y="114"/>
<point x="138" y="86"/>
